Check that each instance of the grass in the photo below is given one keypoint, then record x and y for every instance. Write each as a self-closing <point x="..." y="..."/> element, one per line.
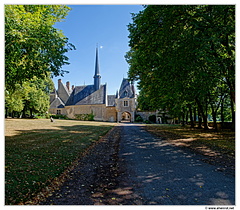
<point x="208" y="142"/>
<point x="37" y="151"/>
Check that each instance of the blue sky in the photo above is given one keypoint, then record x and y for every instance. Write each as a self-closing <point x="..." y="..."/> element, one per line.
<point x="87" y="25"/>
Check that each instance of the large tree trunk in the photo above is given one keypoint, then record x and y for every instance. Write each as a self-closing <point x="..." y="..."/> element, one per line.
<point x="183" y="117"/>
<point x="233" y="116"/>
<point x="199" y="119"/>
<point x="222" y="113"/>
<point x="214" y="116"/>
<point x="31" y="113"/>
<point x="6" y="112"/>
<point x="203" y="115"/>
<point x="191" y="115"/>
<point x="194" y="114"/>
<point x="186" y="117"/>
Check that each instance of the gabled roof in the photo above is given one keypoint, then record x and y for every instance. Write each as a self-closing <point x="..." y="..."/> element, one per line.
<point x="126" y="89"/>
<point x="86" y="95"/>
<point x="63" y="92"/>
<point x="57" y="103"/>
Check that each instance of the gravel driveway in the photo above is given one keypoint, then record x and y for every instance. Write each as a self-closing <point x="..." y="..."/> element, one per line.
<point x="164" y="174"/>
<point x="133" y="167"/>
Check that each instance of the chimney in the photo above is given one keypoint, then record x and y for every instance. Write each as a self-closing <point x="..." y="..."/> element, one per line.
<point x="72" y="87"/>
<point x="68" y="85"/>
<point x="59" y="83"/>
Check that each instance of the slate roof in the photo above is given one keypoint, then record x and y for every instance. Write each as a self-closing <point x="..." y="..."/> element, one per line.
<point x="57" y="103"/>
<point x="86" y="95"/>
<point x="111" y="100"/>
<point x="126" y="89"/>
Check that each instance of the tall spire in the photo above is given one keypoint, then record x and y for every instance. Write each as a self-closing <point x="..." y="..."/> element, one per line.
<point x="97" y="77"/>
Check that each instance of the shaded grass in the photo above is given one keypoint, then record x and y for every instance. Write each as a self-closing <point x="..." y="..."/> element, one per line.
<point x="37" y="151"/>
<point x="208" y="142"/>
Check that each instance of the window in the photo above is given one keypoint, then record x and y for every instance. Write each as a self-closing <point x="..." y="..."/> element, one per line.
<point x="125" y="103"/>
<point x="58" y="111"/>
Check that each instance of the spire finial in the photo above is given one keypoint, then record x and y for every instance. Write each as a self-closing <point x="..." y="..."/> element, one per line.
<point x="97" y="76"/>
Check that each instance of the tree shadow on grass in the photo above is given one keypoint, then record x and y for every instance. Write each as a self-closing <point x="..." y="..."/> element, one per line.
<point x="35" y="157"/>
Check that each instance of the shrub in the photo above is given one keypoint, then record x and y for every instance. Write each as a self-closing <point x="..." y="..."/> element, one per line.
<point x="139" y="118"/>
<point x="147" y="122"/>
<point x="152" y="118"/>
<point x="60" y="116"/>
<point x="85" y="117"/>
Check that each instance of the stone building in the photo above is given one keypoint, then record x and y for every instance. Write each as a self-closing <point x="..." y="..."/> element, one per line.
<point x="93" y="99"/>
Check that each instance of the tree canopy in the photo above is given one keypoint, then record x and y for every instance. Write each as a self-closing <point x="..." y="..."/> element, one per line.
<point x="33" y="47"/>
<point x="34" y="52"/>
<point x="183" y="55"/>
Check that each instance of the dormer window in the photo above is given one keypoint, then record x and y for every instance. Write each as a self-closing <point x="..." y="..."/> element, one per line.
<point x="125" y="93"/>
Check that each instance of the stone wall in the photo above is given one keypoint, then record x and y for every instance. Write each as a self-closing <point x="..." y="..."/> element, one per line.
<point x="55" y="111"/>
<point x="97" y="110"/>
<point x="145" y="115"/>
<point x="110" y="114"/>
<point x="100" y="112"/>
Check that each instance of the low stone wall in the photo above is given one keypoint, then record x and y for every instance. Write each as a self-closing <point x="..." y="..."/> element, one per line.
<point x="145" y="115"/>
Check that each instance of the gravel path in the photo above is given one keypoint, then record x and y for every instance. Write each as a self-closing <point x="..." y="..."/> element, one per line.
<point x="133" y="167"/>
<point x="168" y="175"/>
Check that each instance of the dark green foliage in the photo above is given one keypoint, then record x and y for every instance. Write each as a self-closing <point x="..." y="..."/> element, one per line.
<point x="152" y="118"/>
<point x="59" y="116"/>
<point x="183" y="57"/>
<point x="138" y="118"/>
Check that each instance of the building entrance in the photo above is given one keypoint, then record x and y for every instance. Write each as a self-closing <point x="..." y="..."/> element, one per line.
<point x="126" y="117"/>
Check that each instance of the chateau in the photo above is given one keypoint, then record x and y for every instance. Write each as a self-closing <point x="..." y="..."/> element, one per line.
<point x="93" y="99"/>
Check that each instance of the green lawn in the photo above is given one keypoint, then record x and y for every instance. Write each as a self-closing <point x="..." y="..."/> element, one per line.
<point x="37" y="151"/>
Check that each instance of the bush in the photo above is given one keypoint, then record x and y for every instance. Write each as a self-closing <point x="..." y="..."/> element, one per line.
<point x="147" y="122"/>
<point x="138" y="118"/>
<point x="60" y="116"/>
<point x="42" y="116"/>
<point x="152" y="118"/>
<point x="85" y="117"/>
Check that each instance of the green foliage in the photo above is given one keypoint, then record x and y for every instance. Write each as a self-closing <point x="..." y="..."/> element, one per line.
<point x="147" y="121"/>
<point x="14" y="101"/>
<point x="85" y="117"/>
<point x="182" y="56"/>
<point x="32" y="95"/>
<point x="152" y="118"/>
<point x="59" y="116"/>
<point x="33" y="47"/>
<point x="138" y="118"/>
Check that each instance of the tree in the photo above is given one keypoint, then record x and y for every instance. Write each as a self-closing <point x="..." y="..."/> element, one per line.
<point x="180" y="54"/>
<point x="33" y="47"/>
<point x="32" y="96"/>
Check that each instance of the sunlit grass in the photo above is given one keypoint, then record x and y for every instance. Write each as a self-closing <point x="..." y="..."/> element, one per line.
<point x="37" y="151"/>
